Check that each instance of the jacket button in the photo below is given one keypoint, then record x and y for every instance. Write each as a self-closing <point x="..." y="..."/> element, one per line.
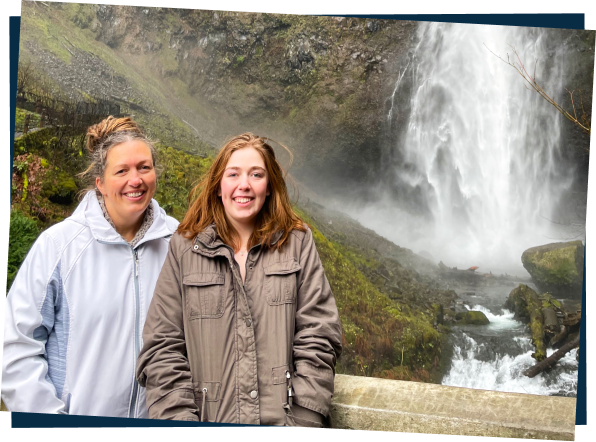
<point x="248" y="321"/>
<point x="253" y="394"/>
<point x="196" y="247"/>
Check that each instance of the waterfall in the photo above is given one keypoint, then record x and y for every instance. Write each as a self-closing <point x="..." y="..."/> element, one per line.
<point x="477" y="176"/>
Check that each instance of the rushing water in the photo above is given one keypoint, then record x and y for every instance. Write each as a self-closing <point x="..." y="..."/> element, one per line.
<point x="479" y="168"/>
<point x="474" y="174"/>
<point x="494" y="357"/>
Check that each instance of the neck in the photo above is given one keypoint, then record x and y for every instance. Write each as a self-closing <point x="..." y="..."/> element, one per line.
<point x="245" y="232"/>
<point x="127" y="228"/>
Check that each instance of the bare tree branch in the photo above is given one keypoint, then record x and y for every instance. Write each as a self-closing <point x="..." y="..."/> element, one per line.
<point x="584" y="124"/>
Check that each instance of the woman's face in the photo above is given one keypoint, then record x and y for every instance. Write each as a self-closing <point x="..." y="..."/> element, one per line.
<point x="244" y="187"/>
<point x="129" y="181"/>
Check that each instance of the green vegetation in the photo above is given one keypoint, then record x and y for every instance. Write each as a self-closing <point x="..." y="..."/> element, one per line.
<point x="20" y="120"/>
<point x="555" y="266"/>
<point x="382" y="338"/>
<point x="472" y="317"/>
<point x="181" y="172"/>
<point x="23" y="233"/>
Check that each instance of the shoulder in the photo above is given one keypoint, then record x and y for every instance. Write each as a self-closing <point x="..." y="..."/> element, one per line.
<point x="180" y="244"/>
<point x="172" y="223"/>
<point x="63" y="233"/>
<point x="299" y="235"/>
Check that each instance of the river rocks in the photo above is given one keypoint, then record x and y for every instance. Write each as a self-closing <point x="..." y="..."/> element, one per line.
<point x="526" y="305"/>
<point x="557" y="268"/>
<point x="472" y="317"/>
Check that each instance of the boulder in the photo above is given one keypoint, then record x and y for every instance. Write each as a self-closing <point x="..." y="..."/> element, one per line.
<point x="472" y="317"/>
<point x="557" y="268"/>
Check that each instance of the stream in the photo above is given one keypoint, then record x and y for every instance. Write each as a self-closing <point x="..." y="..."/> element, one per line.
<point x="494" y="356"/>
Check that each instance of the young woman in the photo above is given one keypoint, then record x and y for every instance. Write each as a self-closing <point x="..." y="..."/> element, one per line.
<point x="75" y="311"/>
<point x="243" y="326"/>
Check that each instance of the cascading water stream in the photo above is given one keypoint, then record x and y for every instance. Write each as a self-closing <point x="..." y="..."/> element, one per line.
<point x="480" y="158"/>
<point x="474" y="176"/>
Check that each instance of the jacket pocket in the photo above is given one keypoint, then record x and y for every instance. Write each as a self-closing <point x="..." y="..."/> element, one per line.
<point x="205" y="295"/>
<point x="208" y="400"/>
<point x="279" y="379"/>
<point x="280" y="282"/>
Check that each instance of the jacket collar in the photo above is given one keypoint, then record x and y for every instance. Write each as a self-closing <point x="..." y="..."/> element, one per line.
<point x="210" y="239"/>
<point x="89" y="213"/>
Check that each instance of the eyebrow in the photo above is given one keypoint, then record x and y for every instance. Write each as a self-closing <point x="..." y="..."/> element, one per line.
<point x="237" y="168"/>
<point x="123" y="165"/>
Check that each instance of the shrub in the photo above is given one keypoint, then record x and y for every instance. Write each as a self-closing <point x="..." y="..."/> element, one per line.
<point x="23" y="233"/>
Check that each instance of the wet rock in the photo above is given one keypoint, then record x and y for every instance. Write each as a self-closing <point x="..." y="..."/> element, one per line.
<point x="472" y="317"/>
<point x="557" y="268"/>
<point x="527" y="307"/>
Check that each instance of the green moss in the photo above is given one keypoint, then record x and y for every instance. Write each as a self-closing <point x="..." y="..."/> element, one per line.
<point x="556" y="266"/>
<point x="472" y="317"/>
<point x="527" y="306"/>
<point x="380" y="335"/>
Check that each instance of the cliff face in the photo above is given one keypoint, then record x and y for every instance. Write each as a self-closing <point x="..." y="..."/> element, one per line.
<point x="317" y="84"/>
<point x="320" y="85"/>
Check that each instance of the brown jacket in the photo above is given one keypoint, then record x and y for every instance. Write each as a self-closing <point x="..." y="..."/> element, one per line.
<point x="220" y="351"/>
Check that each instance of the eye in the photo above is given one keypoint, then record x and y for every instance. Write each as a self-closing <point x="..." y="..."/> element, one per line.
<point x="120" y="172"/>
<point x="232" y="174"/>
<point x="146" y="168"/>
<point x="258" y="174"/>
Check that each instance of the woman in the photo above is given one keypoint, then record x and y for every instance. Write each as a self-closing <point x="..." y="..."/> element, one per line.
<point x="243" y="326"/>
<point x="76" y="309"/>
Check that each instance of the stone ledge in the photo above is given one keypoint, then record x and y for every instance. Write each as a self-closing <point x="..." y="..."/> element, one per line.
<point x="413" y="407"/>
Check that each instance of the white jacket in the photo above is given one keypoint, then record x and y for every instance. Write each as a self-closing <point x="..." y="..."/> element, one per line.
<point x="75" y="315"/>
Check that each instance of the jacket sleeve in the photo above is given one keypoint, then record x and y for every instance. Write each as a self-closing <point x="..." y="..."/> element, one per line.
<point x="29" y="319"/>
<point x="317" y="340"/>
<point x="162" y="367"/>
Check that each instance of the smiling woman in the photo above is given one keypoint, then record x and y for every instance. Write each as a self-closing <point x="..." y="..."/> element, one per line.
<point x="76" y="308"/>
<point x="243" y="326"/>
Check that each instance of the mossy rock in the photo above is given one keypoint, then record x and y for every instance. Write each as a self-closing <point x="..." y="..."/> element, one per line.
<point x="557" y="268"/>
<point x="472" y="317"/>
<point x="527" y="307"/>
<point x="59" y="187"/>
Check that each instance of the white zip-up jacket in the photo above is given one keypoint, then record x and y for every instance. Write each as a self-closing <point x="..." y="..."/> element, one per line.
<point x="75" y="315"/>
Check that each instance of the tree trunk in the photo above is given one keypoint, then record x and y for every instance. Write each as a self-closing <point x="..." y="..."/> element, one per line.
<point x="552" y="359"/>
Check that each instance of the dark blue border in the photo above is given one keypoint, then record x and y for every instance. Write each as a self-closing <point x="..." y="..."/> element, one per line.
<point x="14" y="29"/>
<point x="563" y="21"/>
<point x="39" y="420"/>
<point x="566" y="21"/>
<point x="581" y="411"/>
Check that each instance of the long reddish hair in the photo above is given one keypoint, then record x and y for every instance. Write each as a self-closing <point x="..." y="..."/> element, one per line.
<point x="207" y="208"/>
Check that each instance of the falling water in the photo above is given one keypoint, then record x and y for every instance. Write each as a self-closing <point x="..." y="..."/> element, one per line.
<point x="480" y="159"/>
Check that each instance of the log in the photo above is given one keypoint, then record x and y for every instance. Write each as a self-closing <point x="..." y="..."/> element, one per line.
<point x="552" y="359"/>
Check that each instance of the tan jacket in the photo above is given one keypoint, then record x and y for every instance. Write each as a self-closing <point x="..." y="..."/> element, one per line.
<point x="219" y="351"/>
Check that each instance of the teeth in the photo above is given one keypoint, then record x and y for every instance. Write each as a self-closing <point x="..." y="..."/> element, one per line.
<point x="242" y="200"/>
<point x="134" y="194"/>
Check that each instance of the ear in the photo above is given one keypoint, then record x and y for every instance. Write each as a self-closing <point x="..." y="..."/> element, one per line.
<point x="99" y="185"/>
<point x="268" y="191"/>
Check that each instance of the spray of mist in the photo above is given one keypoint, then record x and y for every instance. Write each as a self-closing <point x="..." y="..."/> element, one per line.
<point x="481" y="155"/>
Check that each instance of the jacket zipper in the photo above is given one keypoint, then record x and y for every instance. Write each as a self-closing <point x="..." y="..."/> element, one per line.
<point x="135" y="386"/>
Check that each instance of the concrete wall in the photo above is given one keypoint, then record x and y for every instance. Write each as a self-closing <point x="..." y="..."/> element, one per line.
<point x="413" y="407"/>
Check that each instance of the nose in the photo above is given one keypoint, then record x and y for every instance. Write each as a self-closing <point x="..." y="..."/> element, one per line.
<point x="244" y="184"/>
<point x="135" y="179"/>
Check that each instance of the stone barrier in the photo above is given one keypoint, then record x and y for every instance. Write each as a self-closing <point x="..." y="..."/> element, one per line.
<point x="363" y="403"/>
